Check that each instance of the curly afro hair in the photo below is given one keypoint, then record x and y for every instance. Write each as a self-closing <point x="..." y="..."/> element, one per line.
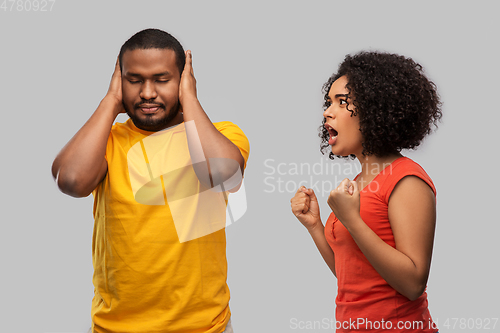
<point x="395" y="102"/>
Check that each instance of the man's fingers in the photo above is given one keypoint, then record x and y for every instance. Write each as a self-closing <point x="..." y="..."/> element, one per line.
<point x="188" y="81"/>
<point x="115" y="84"/>
<point x="118" y="71"/>
<point x="117" y="65"/>
<point x="188" y="67"/>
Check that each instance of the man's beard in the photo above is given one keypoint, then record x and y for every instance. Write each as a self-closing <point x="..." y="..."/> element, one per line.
<point x="149" y="123"/>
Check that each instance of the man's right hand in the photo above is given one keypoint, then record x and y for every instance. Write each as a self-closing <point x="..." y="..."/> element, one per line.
<point x="115" y="89"/>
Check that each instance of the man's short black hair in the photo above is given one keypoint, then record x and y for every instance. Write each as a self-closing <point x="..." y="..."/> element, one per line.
<point x="154" y="39"/>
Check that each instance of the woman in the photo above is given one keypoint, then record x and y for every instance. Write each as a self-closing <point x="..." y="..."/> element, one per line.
<point x="378" y="239"/>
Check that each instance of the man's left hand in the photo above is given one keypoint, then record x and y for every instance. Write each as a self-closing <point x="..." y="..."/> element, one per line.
<point x="187" y="88"/>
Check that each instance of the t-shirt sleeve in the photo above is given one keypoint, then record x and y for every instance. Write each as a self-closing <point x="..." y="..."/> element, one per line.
<point x="236" y="136"/>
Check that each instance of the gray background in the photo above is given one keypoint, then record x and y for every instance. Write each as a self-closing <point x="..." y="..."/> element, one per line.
<point x="260" y="65"/>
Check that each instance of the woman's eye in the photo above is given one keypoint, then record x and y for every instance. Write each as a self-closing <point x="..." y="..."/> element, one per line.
<point x="342" y="102"/>
<point x="162" y="81"/>
<point x="134" y="82"/>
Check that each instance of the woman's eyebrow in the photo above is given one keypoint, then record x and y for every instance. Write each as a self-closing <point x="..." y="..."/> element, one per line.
<point x="342" y="95"/>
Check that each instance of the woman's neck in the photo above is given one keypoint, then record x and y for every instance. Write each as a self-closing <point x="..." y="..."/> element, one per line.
<point x="372" y="165"/>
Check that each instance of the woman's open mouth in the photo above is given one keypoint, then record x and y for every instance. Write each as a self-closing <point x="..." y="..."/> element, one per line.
<point x="333" y="134"/>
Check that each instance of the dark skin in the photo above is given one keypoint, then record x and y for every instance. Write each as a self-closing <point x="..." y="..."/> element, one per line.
<point x="411" y="210"/>
<point x="152" y="88"/>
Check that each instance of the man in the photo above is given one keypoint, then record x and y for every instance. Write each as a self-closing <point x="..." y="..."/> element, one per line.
<point x="154" y="270"/>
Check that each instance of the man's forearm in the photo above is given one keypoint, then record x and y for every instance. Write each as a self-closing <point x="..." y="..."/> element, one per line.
<point x="81" y="165"/>
<point x="226" y="158"/>
<point x="214" y="143"/>
<point x="223" y="157"/>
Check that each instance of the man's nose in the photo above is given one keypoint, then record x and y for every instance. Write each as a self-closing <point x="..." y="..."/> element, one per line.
<point x="148" y="91"/>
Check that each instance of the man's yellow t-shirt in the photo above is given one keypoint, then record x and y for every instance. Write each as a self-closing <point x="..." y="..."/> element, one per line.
<point x="145" y="279"/>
